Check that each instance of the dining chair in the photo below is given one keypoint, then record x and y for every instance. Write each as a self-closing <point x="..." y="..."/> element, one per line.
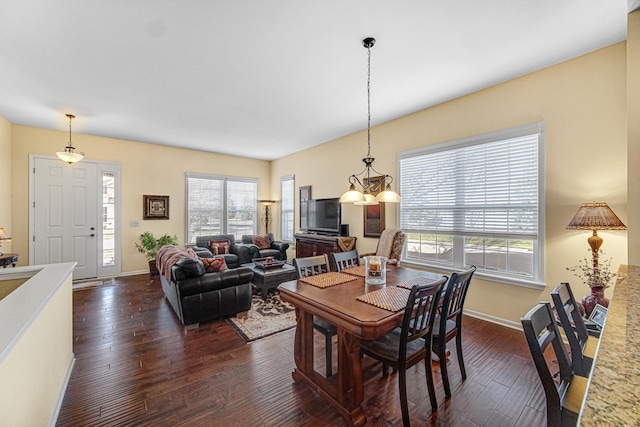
<point x="344" y="260"/>
<point x="565" y="399"/>
<point x="311" y="266"/>
<point x="409" y="344"/>
<point x="449" y="323"/>
<point x="582" y="347"/>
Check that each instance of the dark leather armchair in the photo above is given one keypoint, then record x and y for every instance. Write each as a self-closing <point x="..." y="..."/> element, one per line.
<point x="238" y="253"/>
<point x="273" y="248"/>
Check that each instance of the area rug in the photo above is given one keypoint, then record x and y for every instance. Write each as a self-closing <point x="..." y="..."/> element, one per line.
<point x="265" y="318"/>
<point x="78" y="286"/>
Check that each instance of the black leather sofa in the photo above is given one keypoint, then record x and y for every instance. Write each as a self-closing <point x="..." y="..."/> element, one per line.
<point x="238" y="253"/>
<point x="276" y="249"/>
<point x="197" y="296"/>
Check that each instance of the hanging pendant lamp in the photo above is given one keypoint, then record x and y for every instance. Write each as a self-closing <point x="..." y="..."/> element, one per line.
<point x="363" y="195"/>
<point x="69" y="155"/>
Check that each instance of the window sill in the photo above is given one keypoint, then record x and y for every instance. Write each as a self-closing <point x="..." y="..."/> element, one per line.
<point x="524" y="283"/>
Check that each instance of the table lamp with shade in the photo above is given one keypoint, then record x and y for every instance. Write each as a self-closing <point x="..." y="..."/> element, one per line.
<point x="3" y="238"/>
<point x="595" y="216"/>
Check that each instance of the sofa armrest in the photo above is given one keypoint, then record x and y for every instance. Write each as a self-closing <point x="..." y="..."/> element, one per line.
<point x="281" y="246"/>
<point x="247" y="252"/>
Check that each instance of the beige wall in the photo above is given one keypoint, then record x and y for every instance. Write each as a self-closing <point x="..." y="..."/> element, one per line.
<point x="5" y="179"/>
<point x="146" y="169"/>
<point x="35" y="369"/>
<point x="633" y="113"/>
<point x="583" y="105"/>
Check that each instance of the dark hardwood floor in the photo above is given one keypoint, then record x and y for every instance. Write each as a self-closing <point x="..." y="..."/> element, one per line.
<point x="137" y="366"/>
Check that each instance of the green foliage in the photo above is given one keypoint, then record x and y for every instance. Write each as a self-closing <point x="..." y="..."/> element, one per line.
<point x="149" y="245"/>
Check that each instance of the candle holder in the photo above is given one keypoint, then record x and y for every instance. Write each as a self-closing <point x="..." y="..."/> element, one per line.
<point x="376" y="270"/>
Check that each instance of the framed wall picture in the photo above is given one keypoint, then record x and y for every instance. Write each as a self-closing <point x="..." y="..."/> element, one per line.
<point x="155" y="207"/>
<point x="305" y="196"/>
<point x="374" y="223"/>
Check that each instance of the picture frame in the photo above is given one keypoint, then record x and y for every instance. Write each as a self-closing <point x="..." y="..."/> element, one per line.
<point x="599" y="315"/>
<point x="155" y="207"/>
<point x="305" y="196"/>
<point x="374" y="220"/>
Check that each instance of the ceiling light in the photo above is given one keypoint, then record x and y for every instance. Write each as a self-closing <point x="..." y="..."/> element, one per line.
<point x="69" y="155"/>
<point x="365" y="196"/>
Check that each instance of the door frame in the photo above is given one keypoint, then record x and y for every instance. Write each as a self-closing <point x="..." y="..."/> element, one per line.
<point x="101" y="167"/>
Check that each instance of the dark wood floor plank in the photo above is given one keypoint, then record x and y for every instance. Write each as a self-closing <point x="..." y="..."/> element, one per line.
<point x="136" y="365"/>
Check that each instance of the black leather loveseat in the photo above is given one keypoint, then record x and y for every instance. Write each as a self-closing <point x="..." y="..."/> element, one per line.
<point x="197" y="296"/>
<point x="238" y="253"/>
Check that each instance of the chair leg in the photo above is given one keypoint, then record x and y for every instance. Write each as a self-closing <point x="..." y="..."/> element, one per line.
<point x="402" y="383"/>
<point x="460" y="358"/>
<point x="328" y="354"/>
<point x="430" y="385"/>
<point x="443" y="371"/>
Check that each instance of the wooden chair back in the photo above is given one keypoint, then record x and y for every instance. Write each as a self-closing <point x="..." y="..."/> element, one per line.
<point x="310" y="266"/>
<point x="344" y="260"/>
<point x="565" y="399"/>
<point x="574" y="328"/>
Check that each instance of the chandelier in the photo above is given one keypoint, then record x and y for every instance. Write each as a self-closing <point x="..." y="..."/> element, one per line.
<point x="364" y="195"/>
<point x="69" y="155"/>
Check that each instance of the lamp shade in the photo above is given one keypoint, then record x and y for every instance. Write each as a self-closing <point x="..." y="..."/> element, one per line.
<point x="595" y="216"/>
<point x="69" y="157"/>
<point x="352" y="195"/>
<point x="3" y="235"/>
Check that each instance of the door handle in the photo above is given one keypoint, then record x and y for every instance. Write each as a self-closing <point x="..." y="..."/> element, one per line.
<point x="92" y="228"/>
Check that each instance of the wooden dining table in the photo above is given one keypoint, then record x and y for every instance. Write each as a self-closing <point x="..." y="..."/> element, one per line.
<point x="355" y="321"/>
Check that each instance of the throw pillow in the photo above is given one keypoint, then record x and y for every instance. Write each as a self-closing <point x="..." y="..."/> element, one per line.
<point x="219" y="247"/>
<point x="214" y="265"/>
<point x="261" y="241"/>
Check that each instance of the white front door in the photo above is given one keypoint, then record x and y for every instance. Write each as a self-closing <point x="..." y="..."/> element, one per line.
<point x="65" y="218"/>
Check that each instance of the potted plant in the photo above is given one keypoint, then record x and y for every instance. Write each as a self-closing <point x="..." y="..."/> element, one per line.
<point x="149" y="245"/>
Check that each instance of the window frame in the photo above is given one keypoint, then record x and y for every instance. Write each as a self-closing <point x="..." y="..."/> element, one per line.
<point x="535" y="281"/>
<point x="287" y="215"/>
<point x="225" y="180"/>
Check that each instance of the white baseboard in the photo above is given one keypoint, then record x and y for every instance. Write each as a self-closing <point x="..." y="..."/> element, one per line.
<point x="493" y="319"/>
<point x="63" y="389"/>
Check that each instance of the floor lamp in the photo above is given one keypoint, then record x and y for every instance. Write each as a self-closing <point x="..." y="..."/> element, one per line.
<point x="266" y="216"/>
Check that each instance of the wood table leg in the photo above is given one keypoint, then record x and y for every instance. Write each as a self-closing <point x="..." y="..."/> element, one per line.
<point x="348" y="394"/>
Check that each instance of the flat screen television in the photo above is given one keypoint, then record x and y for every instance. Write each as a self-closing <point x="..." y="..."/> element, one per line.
<point x="324" y="216"/>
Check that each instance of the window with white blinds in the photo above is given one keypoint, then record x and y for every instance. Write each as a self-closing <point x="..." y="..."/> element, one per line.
<point x="220" y="205"/>
<point x="476" y="202"/>
<point x="287" y="197"/>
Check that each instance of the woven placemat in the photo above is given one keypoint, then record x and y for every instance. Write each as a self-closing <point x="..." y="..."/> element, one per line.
<point x="392" y="298"/>
<point x="356" y="271"/>
<point x="326" y="280"/>
<point x="422" y="280"/>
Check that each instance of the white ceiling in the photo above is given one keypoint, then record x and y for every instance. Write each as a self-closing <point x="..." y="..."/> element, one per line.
<point x="263" y="79"/>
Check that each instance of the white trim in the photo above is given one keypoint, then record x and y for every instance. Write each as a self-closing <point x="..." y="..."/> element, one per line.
<point x="492" y="319"/>
<point x="61" y="393"/>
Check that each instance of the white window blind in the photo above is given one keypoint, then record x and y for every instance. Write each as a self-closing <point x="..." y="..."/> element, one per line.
<point x="475" y="201"/>
<point x="287" y="184"/>
<point x="220" y="205"/>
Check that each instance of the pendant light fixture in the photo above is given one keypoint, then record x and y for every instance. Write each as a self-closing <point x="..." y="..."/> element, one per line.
<point x="364" y="194"/>
<point x="69" y="155"/>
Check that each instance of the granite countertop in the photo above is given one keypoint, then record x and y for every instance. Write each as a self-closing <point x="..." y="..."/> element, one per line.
<point x="613" y="396"/>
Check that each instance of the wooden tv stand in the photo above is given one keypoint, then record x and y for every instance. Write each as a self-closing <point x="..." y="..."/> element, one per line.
<point x="308" y="244"/>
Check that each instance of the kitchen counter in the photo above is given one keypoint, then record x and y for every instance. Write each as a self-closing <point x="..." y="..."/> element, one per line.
<point x="613" y="394"/>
